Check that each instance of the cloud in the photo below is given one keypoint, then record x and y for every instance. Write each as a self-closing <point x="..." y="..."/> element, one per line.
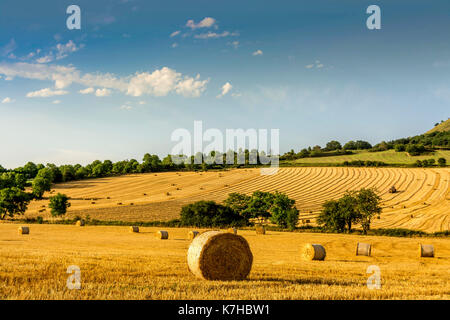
<point x="161" y="82"/>
<point x="56" y="101"/>
<point x="87" y="90"/>
<point x="142" y="102"/>
<point x="175" y="33"/>
<point x="225" y="89"/>
<point x="158" y="83"/>
<point x="317" y="64"/>
<point x="126" y="107"/>
<point x="258" y="53"/>
<point x="102" y="92"/>
<point x="205" y="23"/>
<point x="45" y="93"/>
<point x="62" y="51"/>
<point x="8" y="48"/>
<point x="174" y="45"/>
<point x="210" y="35"/>
<point x="8" y="100"/>
<point x="235" y="44"/>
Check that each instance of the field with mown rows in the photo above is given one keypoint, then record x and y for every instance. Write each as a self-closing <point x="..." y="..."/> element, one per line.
<point x="421" y="203"/>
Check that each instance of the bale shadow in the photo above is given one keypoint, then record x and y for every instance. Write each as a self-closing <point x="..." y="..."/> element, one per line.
<point x="310" y="281"/>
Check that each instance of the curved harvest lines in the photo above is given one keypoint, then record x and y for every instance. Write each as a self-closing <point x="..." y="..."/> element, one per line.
<point x="422" y="201"/>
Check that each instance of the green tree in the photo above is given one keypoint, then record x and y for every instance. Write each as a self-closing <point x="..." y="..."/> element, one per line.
<point x="40" y="185"/>
<point x="331" y="217"/>
<point x="210" y="214"/>
<point x="259" y="205"/>
<point x="283" y="211"/>
<point x="13" y="201"/>
<point x="238" y="202"/>
<point x="367" y="205"/>
<point x="442" y="162"/>
<point x="59" y="204"/>
<point x="333" y="145"/>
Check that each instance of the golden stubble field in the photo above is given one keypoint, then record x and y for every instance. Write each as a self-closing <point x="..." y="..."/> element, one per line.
<point x="117" y="264"/>
<point x="421" y="203"/>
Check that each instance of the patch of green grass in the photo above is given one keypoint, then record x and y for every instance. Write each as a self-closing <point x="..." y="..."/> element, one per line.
<point x="390" y="157"/>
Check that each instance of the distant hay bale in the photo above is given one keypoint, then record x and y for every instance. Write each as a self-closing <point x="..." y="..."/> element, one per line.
<point x="134" y="229"/>
<point x="93" y="202"/>
<point x="80" y="223"/>
<point x="24" y="230"/>
<point x="426" y="250"/>
<point x="313" y="252"/>
<point x="119" y="203"/>
<point x="131" y="204"/>
<point x="363" y="249"/>
<point x="216" y="255"/>
<point x="232" y="230"/>
<point x="161" y="234"/>
<point x="392" y="189"/>
<point x="260" y="229"/>
<point x="192" y="234"/>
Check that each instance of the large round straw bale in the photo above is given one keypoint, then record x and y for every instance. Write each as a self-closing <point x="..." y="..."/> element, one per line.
<point x="192" y="234"/>
<point x="232" y="230"/>
<point x="80" y="223"/>
<point x="134" y="229"/>
<point x="313" y="252"/>
<point x="161" y="234"/>
<point x="24" y="230"/>
<point x="260" y="229"/>
<point x="363" y="249"/>
<point x="216" y="255"/>
<point x="426" y="250"/>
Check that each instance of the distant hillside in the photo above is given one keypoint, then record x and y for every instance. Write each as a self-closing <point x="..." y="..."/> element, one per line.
<point x="443" y="126"/>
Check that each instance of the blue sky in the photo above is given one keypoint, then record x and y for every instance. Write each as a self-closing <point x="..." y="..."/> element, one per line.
<point x="137" y="70"/>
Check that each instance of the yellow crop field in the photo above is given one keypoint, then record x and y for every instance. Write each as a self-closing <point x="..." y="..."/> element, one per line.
<point x="421" y="203"/>
<point x="117" y="264"/>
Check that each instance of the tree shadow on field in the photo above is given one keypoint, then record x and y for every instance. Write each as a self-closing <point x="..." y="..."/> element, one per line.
<point x="311" y="281"/>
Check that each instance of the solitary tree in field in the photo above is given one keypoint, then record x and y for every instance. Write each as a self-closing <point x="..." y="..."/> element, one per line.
<point x="367" y="205"/>
<point x="40" y="185"/>
<point x="59" y="204"/>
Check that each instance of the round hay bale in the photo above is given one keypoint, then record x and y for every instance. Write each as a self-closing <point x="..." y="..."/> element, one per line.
<point x="24" y="230"/>
<point x="192" y="234"/>
<point x="216" y="255"/>
<point x="232" y="230"/>
<point x="134" y="229"/>
<point x="426" y="250"/>
<point x="313" y="252"/>
<point x="260" y="229"/>
<point x="80" y="223"/>
<point x="363" y="249"/>
<point x="161" y="234"/>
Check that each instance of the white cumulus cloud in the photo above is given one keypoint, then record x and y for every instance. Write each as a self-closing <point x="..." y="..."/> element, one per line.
<point x="8" y="100"/>
<point x="45" y="93"/>
<point x="87" y="90"/>
<point x="225" y="89"/>
<point x="102" y="92"/>
<point x="258" y="53"/>
<point x="205" y="23"/>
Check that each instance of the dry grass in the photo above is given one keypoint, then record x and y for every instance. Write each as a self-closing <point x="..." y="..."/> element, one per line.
<point x="116" y="264"/>
<point x="421" y="203"/>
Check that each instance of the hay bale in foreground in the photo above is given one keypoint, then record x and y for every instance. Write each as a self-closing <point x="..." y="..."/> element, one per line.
<point x="363" y="249"/>
<point x="24" y="230"/>
<point x="161" y="234"/>
<point x="192" y="234"/>
<point x="426" y="251"/>
<point x="216" y="255"/>
<point x="80" y="223"/>
<point x="232" y="230"/>
<point x="313" y="252"/>
<point x="134" y="229"/>
<point x="260" y="229"/>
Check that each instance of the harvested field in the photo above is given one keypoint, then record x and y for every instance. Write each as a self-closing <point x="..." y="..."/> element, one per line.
<point x="117" y="264"/>
<point x="421" y="203"/>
